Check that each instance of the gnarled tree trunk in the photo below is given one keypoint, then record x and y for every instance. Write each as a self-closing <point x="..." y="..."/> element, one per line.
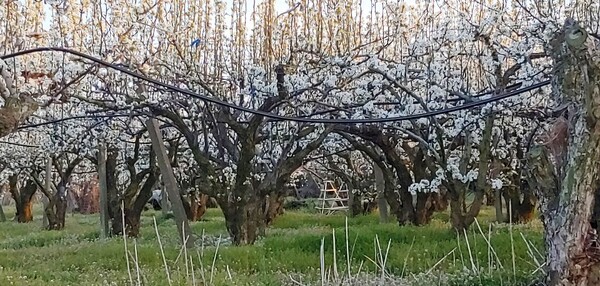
<point x="564" y="170"/>
<point x="128" y="205"/>
<point x="354" y="201"/>
<point x="243" y="218"/>
<point x="23" y="199"/>
<point x="56" y="209"/>
<point x="135" y="206"/>
<point x="424" y="208"/>
<point x="133" y="209"/>
<point x="60" y="208"/>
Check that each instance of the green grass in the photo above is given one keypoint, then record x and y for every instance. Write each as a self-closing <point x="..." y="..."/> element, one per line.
<point x="290" y="250"/>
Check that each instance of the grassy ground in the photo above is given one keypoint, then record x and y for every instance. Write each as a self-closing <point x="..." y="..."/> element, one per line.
<point x="297" y="250"/>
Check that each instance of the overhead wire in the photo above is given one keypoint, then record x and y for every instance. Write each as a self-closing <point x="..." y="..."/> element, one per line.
<point x="33" y="125"/>
<point x="268" y="114"/>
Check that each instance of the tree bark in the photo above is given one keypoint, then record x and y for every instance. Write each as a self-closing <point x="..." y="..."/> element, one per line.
<point x="456" y="211"/>
<point x="513" y="201"/>
<point x="59" y="204"/>
<point x="273" y="207"/>
<point x="24" y="211"/>
<point x="60" y="207"/>
<point x="490" y="197"/>
<point x="134" y="207"/>
<point x="424" y="208"/>
<point x="498" y="205"/>
<point x="112" y="193"/>
<point x="461" y="217"/>
<point x="354" y="201"/>
<point x="521" y="202"/>
<point x="16" y="110"/>
<point x="202" y="206"/>
<point x="133" y="210"/>
<point x="2" y="215"/>
<point x="103" y="187"/>
<point x="56" y="209"/>
<point x="243" y="204"/>
<point x="127" y="205"/>
<point x="381" y="200"/>
<point x="243" y="218"/>
<point x="53" y="222"/>
<point x="23" y="199"/>
<point x="440" y="200"/>
<point x="564" y="170"/>
<point x="47" y="186"/>
<point x="595" y="221"/>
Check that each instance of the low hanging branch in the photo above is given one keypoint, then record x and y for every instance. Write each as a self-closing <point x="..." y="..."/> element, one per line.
<point x="564" y="170"/>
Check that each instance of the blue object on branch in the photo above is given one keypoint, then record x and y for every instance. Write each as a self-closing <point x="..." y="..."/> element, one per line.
<point x="196" y="43"/>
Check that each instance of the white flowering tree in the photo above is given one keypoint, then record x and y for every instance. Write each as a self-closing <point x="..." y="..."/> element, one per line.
<point x="16" y="160"/>
<point x="241" y="162"/>
<point x="451" y="152"/>
<point x="131" y="170"/>
<point x="321" y="61"/>
<point x="63" y="149"/>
